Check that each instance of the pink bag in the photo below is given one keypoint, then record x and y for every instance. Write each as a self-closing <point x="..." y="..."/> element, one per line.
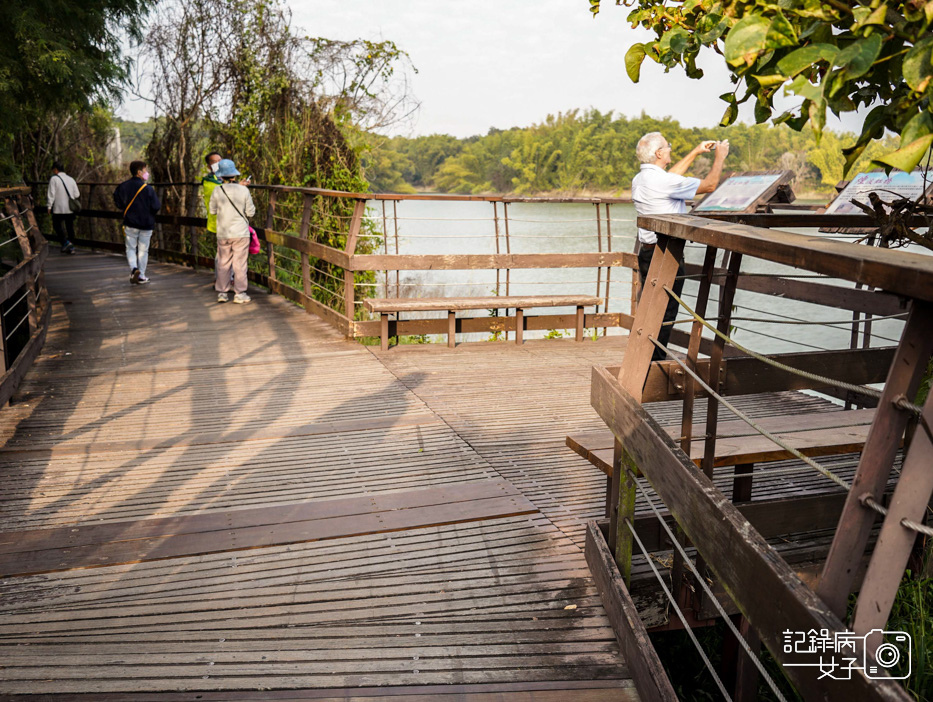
<point x="254" y="247"/>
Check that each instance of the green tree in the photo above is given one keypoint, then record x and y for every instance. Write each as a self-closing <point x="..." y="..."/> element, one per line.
<point x="58" y="59"/>
<point x="840" y="56"/>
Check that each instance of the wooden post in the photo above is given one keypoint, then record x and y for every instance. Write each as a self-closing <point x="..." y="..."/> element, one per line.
<point x="349" y="281"/>
<point x="451" y="329"/>
<point x="303" y="233"/>
<point x="726" y="296"/>
<point x="160" y="239"/>
<point x="508" y="250"/>
<point x="579" y="322"/>
<point x="495" y="219"/>
<point x="693" y="349"/>
<point x="599" y="247"/>
<point x="608" y="268"/>
<point x="270" y="224"/>
<point x="519" y="325"/>
<point x="40" y="240"/>
<point x="874" y="467"/>
<point x="398" y="282"/>
<point x="385" y="242"/>
<point x="649" y="315"/>
<point x="627" y="492"/>
<point x="895" y="542"/>
<point x="22" y="237"/>
<point x="384" y="331"/>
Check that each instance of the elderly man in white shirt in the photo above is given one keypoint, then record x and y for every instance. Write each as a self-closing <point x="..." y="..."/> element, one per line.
<point x="659" y="189"/>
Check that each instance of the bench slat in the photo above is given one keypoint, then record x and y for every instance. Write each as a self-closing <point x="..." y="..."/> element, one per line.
<point x="428" y="304"/>
<point x="820" y="434"/>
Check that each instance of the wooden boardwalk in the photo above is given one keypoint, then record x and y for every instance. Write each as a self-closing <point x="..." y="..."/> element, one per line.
<point x="204" y="497"/>
<point x="235" y="501"/>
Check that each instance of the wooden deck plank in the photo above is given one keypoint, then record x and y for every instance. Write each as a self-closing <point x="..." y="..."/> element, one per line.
<point x="151" y="420"/>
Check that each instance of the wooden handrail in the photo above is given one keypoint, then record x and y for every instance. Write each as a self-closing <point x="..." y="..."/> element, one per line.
<point x="898" y="272"/>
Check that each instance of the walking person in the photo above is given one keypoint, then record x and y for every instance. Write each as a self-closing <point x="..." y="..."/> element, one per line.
<point x="139" y="203"/>
<point x="62" y="190"/>
<point x="233" y="205"/>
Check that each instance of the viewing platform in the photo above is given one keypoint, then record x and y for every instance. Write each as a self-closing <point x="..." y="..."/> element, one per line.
<point x="207" y="501"/>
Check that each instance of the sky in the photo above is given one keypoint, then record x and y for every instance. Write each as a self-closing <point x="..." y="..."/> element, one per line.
<point x="510" y="63"/>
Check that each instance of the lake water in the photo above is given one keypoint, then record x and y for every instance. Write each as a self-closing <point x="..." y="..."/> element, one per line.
<point x="432" y="227"/>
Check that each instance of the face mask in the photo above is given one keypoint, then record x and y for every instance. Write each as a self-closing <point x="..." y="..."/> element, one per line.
<point x="144" y="175"/>
<point x="215" y="166"/>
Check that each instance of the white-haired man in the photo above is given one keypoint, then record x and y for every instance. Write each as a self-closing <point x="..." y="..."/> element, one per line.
<point x="660" y="188"/>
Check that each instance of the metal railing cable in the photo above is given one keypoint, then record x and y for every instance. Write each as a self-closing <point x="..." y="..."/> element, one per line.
<point x="12" y="215"/>
<point x="702" y="582"/>
<point x="680" y="615"/>
<point x="825" y="472"/>
<point x="780" y="338"/>
<point x="868" y="501"/>
<point x="22" y="297"/>
<point x="25" y="317"/>
<point x="788" y="319"/>
<point x="871" y="392"/>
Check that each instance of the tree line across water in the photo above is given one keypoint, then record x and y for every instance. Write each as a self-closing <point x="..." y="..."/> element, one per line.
<point x="590" y="151"/>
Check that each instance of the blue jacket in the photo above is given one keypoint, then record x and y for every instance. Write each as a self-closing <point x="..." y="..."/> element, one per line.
<point x="141" y="214"/>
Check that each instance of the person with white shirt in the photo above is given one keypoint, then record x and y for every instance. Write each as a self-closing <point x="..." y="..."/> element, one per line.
<point x="660" y="188"/>
<point x="233" y="205"/>
<point x="62" y="188"/>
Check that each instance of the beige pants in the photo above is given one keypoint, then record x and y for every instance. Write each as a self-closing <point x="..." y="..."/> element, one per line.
<point x="231" y="256"/>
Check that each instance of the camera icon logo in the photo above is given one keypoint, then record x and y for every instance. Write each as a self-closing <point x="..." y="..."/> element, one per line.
<point x="892" y="648"/>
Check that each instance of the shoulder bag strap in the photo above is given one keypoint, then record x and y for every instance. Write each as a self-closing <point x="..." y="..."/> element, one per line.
<point x="234" y="205"/>
<point x="134" y="199"/>
<point x="65" y="187"/>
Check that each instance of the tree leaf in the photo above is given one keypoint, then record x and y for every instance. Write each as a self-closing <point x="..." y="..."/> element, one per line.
<point x="919" y="126"/>
<point x="747" y="39"/>
<point x="768" y="81"/>
<point x="781" y="33"/>
<point x="678" y="39"/>
<point x="798" y="60"/>
<point x="730" y="115"/>
<point x="857" y="58"/>
<point x="633" y="59"/>
<point x="907" y="157"/>
<point x="710" y="27"/>
<point x="762" y="111"/>
<point x="918" y="65"/>
<point x="817" y="112"/>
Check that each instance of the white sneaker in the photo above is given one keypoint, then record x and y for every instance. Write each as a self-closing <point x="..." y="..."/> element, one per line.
<point x="222" y="297"/>
<point x="241" y="298"/>
<point x="142" y="280"/>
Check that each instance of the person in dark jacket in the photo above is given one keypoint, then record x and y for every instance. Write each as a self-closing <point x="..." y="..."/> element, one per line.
<point x="139" y="203"/>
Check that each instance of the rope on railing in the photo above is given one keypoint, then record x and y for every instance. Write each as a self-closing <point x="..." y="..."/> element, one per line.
<point x="871" y="392"/>
<point x="703" y="584"/>
<point x="825" y="472"/>
<point x="868" y="501"/>
<point x="14" y="214"/>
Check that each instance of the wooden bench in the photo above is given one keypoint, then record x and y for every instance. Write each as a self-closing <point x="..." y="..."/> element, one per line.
<point x="737" y="444"/>
<point x="386" y="306"/>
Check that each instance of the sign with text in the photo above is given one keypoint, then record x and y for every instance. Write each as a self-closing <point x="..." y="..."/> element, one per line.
<point x="888" y="187"/>
<point x="739" y="193"/>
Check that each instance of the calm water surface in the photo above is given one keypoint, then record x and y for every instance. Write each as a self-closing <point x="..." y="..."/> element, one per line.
<point x="426" y="227"/>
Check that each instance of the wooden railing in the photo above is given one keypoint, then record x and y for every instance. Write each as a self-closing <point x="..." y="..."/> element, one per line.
<point x="24" y="301"/>
<point x="768" y="592"/>
<point x="323" y="249"/>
